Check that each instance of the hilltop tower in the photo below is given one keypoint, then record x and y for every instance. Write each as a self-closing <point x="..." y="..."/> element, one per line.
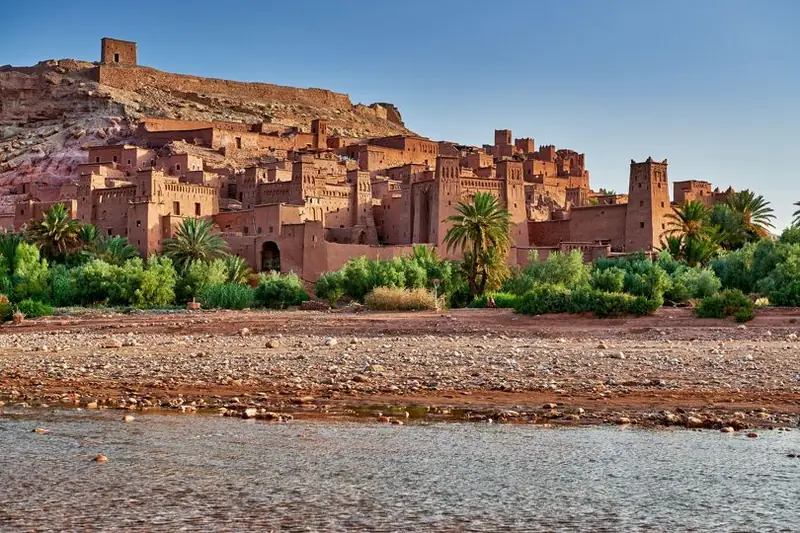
<point x="116" y="52"/>
<point x="648" y="205"/>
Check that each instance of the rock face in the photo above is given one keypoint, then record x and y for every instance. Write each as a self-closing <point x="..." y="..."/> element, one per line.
<point x="51" y="112"/>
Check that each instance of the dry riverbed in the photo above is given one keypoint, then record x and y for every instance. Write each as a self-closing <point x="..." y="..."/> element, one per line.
<point x="666" y="370"/>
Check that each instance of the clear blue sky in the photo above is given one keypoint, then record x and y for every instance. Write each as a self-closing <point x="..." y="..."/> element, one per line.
<point x="712" y="85"/>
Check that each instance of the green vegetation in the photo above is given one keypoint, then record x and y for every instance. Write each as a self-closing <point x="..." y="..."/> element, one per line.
<point x="422" y="269"/>
<point x="61" y="263"/>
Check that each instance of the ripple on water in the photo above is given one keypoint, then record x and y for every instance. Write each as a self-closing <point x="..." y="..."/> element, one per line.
<point x="199" y="473"/>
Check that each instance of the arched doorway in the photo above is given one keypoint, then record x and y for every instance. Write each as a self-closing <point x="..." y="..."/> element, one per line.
<point x="270" y="257"/>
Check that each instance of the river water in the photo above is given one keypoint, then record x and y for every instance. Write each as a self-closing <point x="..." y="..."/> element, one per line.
<point x="198" y="473"/>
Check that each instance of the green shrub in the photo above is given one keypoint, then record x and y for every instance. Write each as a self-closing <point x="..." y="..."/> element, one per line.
<point x="744" y="315"/>
<point x="34" y="309"/>
<point x="5" y="308"/>
<point x="610" y="279"/>
<point x="612" y="304"/>
<point x="645" y="278"/>
<point x="63" y="289"/>
<point x="731" y="302"/>
<point x="359" y="277"/>
<point x="502" y="300"/>
<point x="330" y="287"/>
<point x="157" y="283"/>
<point x="276" y="291"/>
<point x="544" y="299"/>
<point x="198" y="276"/>
<point x="399" y="299"/>
<point x="733" y="268"/>
<point x="227" y="296"/>
<point x="687" y="283"/>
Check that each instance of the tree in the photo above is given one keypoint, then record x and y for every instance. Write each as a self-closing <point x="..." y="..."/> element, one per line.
<point x="238" y="270"/>
<point x="479" y="226"/>
<point x="57" y="234"/>
<point x="692" y="220"/>
<point x="115" y="250"/>
<point x="754" y="211"/>
<point x="194" y="240"/>
<point x="796" y="215"/>
<point x="89" y="235"/>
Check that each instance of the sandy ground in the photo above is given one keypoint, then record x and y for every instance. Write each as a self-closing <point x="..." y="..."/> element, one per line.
<point x="667" y="370"/>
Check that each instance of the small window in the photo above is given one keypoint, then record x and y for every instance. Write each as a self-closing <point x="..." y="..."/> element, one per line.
<point x="663" y="226"/>
<point x="103" y="215"/>
<point x="239" y="142"/>
<point x="129" y="162"/>
<point x="640" y="185"/>
<point x="138" y="243"/>
<point x="662" y="204"/>
<point x="270" y="229"/>
<point x="259" y="229"/>
<point x="641" y="225"/>
<point x="116" y="58"/>
<point x="138" y="223"/>
<point x="178" y="167"/>
<point x="114" y="158"/>
<point x="245" y="230"/>
<point x="197" y="209"/>
<point x="96" y="159"/>
<point x="641" y="203"/>
<point x="176" y="208"/>
<point x="109" y="232"/>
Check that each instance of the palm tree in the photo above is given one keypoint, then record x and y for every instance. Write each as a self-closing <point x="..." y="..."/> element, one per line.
<point x="57" y="234"/>
<point x="479" y="226"/>
<point x="194" y="240"/>
<point x="89" y="235"/>
<point x="238" y="269"/>
<point x="755" y="212"/>
<point x="115" y="250"/>
<point x="690" y="220"/>
<point x="673" y="245"/>
<point x="796" y="215"/>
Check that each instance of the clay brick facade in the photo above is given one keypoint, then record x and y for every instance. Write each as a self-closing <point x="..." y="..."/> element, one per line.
<point x="116" y="52"/>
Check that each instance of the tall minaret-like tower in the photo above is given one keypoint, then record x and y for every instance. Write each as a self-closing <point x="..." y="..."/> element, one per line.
<point x="648" y="205"/>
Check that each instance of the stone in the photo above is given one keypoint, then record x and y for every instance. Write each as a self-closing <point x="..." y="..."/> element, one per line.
<point x="128" y="418"/>
<point x="623" y="420"/>
<point x="250" y="412"/>
<point x="40" y="430"/>
<point x="752" y="435"/>
<point x="360" y="378"/>
<point x="330" y="341"/>
<point x="113" y="343"/>
<point x="244" y="332"/>
<point x="273" y="343"/>
<point x="741" y="327"/>
<point x="694" y="422"/>
<point x="91" y="405"/>
<point x="376" y="368"/>
<point x="727" y="429"/>
<point x="618" y="355"/>
<point x="100" y="458"/>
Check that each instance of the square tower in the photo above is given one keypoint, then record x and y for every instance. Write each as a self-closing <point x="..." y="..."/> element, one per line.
<point x="116" y="52"/>
<point x="648" y="205"/>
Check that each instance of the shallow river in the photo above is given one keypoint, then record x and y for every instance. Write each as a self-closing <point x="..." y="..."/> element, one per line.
<point x="194" y="473"/>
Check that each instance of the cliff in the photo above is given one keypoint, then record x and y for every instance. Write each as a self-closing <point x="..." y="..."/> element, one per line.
<point x="51" y="112"/>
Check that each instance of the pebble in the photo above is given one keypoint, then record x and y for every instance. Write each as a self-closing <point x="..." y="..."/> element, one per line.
<point x="128" y="418"/>
<point x="40" y="430"/>
<point x="752" y="435"/>
<point x="100" y="458"/>
<point x="273" y="343"/>
<point x="727" y="429"/>
<point x="330" y="341"/>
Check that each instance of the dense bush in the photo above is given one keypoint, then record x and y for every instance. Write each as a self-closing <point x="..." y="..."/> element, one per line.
<point x="544" y="299"/>
<point x="198" y="276"/>
<point x="645" y="278"/>
<point x="330" y="287"/>
<point x="502" y="300"/>
<point x="34" y="309"/>
<point x="63" y="287"/>
<point x="687" y="283"/>
<point x="227" y="296"/>
<point x="731" y="302"/>
<point x="609" y="280"/>
<point x="5" y="308"/>
<point x="276" y="291"/>
<point x="399" y="299"/>
<point x="157" y="284"/>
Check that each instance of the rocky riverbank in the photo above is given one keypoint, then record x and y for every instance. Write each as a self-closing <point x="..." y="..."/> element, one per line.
<point x="481" y="365"/>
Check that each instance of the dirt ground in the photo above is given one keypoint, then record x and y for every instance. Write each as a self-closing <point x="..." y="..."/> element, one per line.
<point x="670" y="369"/>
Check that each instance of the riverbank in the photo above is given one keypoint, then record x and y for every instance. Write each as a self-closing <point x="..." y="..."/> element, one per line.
<point x="472" y="364"/>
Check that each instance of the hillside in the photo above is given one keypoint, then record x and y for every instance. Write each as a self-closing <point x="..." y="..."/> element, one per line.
<point x="51" y="112"/>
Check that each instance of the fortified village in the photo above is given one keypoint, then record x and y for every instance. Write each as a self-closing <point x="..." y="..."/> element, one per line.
<point x="311" y="197"/>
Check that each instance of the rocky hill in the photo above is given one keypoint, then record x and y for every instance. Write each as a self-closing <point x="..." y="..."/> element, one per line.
<point x="51" y="112"/>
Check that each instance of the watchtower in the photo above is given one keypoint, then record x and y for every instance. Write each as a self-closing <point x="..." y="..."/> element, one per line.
<point x="117" y="52"/>
<point x="648" y="205"/>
